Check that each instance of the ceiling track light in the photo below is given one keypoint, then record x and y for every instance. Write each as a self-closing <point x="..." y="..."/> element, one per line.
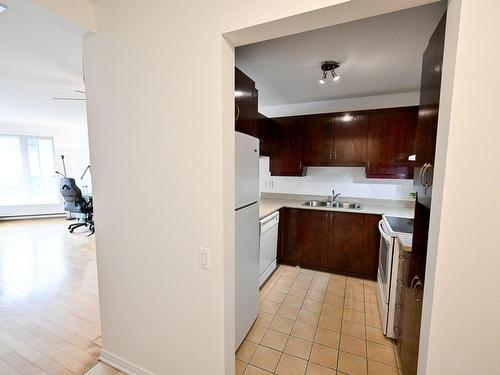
<point x="329" y="67"/>
<point x="2" y="8"/>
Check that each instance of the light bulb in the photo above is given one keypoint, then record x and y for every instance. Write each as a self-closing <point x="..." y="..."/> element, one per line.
<point x="322" y="81"/>
<point x="336" y="78"/>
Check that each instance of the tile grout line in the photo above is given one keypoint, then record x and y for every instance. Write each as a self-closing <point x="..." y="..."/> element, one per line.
<point x="341" y="324"/>
<point x="281" y="353"/>
<point x="314" y="272"/>
<point x="317" y="326"/>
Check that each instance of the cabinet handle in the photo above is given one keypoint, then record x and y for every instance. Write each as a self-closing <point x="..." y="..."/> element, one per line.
<point x="237" y="111"/>
<point x="416" y="278"/>
<point x="300" y="165"/>
<point x="397" y="331"/>
<point x="330" y="157"/>
<point x="368" y="166"/>
<point x="335" y="154"/>
<point x="427" y="175"/>
<point x="420" y="174"/>
<point x="418" y="284"/>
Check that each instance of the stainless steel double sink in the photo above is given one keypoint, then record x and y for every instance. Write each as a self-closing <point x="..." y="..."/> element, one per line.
<point x="330" y="204"/>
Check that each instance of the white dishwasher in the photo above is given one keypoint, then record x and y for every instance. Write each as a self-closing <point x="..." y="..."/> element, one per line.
<point x="268" y="246"/>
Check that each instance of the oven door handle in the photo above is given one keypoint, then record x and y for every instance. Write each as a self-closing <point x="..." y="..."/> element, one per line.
<point x="382" y="232"/>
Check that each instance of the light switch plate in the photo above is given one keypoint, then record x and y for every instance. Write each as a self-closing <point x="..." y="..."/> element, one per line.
<point x="205" y="258"/>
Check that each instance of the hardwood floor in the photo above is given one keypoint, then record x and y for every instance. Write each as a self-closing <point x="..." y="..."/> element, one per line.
<point x="49" y="307"/>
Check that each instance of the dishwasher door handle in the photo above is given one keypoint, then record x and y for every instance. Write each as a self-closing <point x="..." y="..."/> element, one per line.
<point x="269" y="222"/>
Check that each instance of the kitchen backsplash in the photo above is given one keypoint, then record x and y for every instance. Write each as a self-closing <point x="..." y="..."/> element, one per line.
<point x="350" y="182"/>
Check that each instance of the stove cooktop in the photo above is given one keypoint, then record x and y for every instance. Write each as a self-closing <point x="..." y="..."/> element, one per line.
<point x="400" y="224"/>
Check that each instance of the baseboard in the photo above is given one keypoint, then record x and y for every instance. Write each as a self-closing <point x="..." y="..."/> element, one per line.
<point x="29" y="217"/>
<point x="122" y="364"/>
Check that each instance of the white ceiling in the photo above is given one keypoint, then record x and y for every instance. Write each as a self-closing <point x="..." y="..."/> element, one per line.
<point x="40" y="58"/>
<point x="378" y="55"/>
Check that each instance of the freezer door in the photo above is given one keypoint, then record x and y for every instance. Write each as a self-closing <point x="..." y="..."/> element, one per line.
<point x="247" y="169"/>
<point x="246" y="269"/>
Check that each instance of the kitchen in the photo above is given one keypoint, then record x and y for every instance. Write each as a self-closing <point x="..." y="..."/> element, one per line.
<point x="334" y="189"/>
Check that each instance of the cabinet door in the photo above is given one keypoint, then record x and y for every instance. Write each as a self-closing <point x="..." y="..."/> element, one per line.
<point x="350" y="138"/>
<point x="371" y="244"/>
<point x="267" y="135"/>
<point x="430" y="87"/>
<point x="287" y="157"/>
<point x="246" y="102"/>
<point x="391" y="140"/>
<point x="353" y="244"/>
<point x="408" y="343"/>
<point x="317" y="137"/>
<point x="303" y="237"/>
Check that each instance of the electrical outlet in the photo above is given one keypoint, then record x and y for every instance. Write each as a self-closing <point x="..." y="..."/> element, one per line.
<point x="205" y="258"/>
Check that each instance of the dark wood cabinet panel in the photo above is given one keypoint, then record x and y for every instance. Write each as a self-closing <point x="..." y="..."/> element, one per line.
<point x="413" y="286"/>
<point x="303" y="237"/>
<point x="267" y="135"/>
<point x="345" y="242"/>
<point x="382" y="140"/>
<point x="287" y="154"/>
<point x="317" y="140"/>
<point x="331" y="241"/>
<point x="246" y="103"/>
<point x="430" y="87"/>
<point x="353" y="244"/>
<point x="350" y="139"/>
<point x="391" y="140"/>
<point x="414" y="277"/>
<point x="371" y="246"/>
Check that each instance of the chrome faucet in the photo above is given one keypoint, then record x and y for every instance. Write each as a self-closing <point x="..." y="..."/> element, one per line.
<point x="334" y="196"/>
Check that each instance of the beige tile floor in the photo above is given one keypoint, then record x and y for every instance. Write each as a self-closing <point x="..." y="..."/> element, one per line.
<point x="316" y="323"/>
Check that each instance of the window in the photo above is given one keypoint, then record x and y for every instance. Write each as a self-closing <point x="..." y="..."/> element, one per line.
<point x="27" y="167"/>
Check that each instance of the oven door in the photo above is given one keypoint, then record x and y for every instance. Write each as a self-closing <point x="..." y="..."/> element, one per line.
<point x="385" y="261"/>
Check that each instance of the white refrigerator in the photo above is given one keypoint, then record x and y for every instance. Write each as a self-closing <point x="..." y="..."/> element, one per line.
<point x="246" y="234"/>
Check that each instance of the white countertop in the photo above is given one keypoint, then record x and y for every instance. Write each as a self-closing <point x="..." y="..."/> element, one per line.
<point x="405" y="208"/>
<point x="269" y="205"/>
<point x="405" y="240"/>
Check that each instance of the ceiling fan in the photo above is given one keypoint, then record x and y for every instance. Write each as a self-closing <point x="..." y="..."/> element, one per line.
<point x="77" y="91"/>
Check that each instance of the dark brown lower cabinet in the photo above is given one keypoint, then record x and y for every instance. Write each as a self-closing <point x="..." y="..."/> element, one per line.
<point x="409" y="305"/>
<point x="339" y="242"/>
<point x="303" y="237"/>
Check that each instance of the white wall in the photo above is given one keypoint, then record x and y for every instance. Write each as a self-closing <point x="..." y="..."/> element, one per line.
<point x="340" y="105"/>
<point x="349" y="181"/>
<point x="460" y="326"/>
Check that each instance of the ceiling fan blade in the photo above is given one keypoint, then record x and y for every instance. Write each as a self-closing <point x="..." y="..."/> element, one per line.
<point x="69" y="99"/>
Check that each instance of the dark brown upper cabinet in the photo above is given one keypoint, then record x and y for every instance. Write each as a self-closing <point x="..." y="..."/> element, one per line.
<point x="334" y="139"/>
<point x="246" y="103"/>
<point x="391" y="140"/>
<point x="317" y="139"/>
<point x="350" y="139"/>
<point x="286" y="159"/>
<point x="267" y="132"/>
<point x="430" y="87"/>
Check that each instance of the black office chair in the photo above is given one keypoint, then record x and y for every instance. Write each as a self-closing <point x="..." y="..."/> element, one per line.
<point x="76" y="203"/>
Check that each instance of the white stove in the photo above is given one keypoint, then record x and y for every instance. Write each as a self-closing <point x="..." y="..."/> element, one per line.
<point x="389" y="228"/>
